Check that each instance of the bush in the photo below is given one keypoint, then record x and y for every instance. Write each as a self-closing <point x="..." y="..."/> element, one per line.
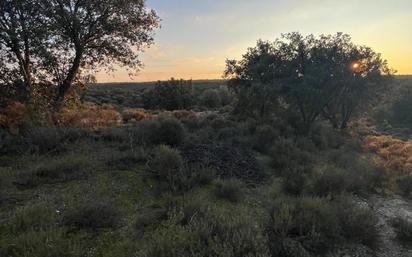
<point x="311" y="222"/>
<point x="211" y="98"/>
<point x="92" y="214"/>
<point x="165" y="130"/>
<point x="359" y="224"/>
<point x="43" y="139"/>
<point x="148" y="217"/>
<point x="231" y="190"/>
<point x="169" y="95"/>
<point x="329" y="181"/>
<point x="405" y="185"/>
<point x="285" y="154"/>
<point x="64" y="169"/>
<point x="166" y="165"/>
<point x="295" y="181"/>
<point x="264" y="138"/>
<point x="50" y="242"/>
<point x="37" y="216"/>
<point x="403" y="229"/>
<point x="134" y="115"/>
<point x="127" y="160"/>
<point x="170" y="132"/>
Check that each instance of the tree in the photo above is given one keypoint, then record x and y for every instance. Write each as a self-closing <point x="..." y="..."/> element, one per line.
<point x="170" y="95"/>
<point x="326" y="76"/>
<point x="67" y="37"/>
<point x="22" y="34"/>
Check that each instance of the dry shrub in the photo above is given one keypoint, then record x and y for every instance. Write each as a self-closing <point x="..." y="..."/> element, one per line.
<point x="88" y="115"/>
<point x="134" y="115"/>
<point x="12" y="117"/>
<point x="392" y="153"/>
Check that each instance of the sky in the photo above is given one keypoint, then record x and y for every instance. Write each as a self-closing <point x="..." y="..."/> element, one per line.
<point x="197" y="36"/>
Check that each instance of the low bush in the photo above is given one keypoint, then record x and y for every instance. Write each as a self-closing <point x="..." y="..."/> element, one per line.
<point x="35" y="216"/>
<point x="231" y="190"/>
<point x="295" y="181"/>
<point x="49" y="242"/>
<point x="129" y="115"/>
<point x="92" y="214"/>
<point x="149" y="217"/>
<point x="58" y="170"/>
<point x="403" y="229"/>
<point x="88" y="115"/>
<point x="127" y="160"/>
<point x="405" y="185"/>
<point x="264" y="137"/>
<point x="311" y="222"/>
<point x="165" y="165"/>
<point x="329" y="181"/>
<point x="285" y="154"/>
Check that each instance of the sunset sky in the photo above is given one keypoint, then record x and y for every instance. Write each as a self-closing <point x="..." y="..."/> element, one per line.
<point x="197" y="36"/>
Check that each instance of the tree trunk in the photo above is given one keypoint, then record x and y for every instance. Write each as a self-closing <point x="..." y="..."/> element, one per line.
<point x="68" y="81"/>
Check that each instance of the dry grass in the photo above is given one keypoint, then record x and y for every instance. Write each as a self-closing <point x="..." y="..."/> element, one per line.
<point x="393" y="153"/>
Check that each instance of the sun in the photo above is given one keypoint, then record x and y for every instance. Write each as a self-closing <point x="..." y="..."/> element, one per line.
<point x="355" y="65"/>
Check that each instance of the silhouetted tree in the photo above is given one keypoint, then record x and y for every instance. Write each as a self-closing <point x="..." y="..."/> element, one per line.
<point x="328" y="76"/>
<point x="58" y="39"/>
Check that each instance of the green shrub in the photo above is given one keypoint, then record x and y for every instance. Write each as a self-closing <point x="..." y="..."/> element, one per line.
<point x="127" y="160"/>
<point x="169" y="95"/>
<point x="170" y="132"/>
<point x="165" y="165"/>
<point x="211" y="98"/>
<point x="264" y="137"/>
<point x="59" y="170"/>
<point x="309" y="221"/>
<point x="405" y="185"/>
<point x="50" y="242"/>
<point x="92" y="214"/>
<point x="330" y="181"/>
<point x="359" y="225"/>
<point x="35" y="216"/>
<point x="148" y="217"/>
<point x="231" y="190"/>
<point x="285" y="154"/>
<point x="43" y="139"/>
<point x="295" y="181"/>
<point x="403" y="229"/>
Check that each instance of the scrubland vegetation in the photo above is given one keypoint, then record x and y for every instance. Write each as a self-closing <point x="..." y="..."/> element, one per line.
<point x="276" y="160"/>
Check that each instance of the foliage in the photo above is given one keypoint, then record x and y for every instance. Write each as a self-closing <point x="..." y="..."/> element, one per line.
<point x="92" y="214"/>
<point x="405" y="185"/>
<point x="169" y="95"/>
<point x="326" y="76"/>
<point x="231" y="190"/>
<point x="52" y="42"/>
<point x="87" y="115"/>
<point x="403" y="229"/>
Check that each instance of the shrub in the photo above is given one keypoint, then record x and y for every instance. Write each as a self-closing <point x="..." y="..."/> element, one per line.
<point x="165" y="130"/>
<point x="211" y="98"/>
<point x="264" y="138"/>
<point x="295" y="181"/>
<point x="92" y="214"/>
<point x="88" y="115"/>
<point x="127" y="160"/>
<point x="231" y="190"/>
<point x="134" y="115"/>
<point x="329" y="181"/>
<point x="43" y="139"/>
<point x="148" y="217"/>
<point x="169" y="95"/>
<point x="405" y="185"/>
<point x="285" y="154"/>
<point x="11" y="117"/>
<point x="170" y="132"/>
<point x="359" y="224"/>
<point x="50" y="242"/>
<point x="165" y="165"/>
<point x="309" y="221"/>
<point x="57" y="170"/>
<point x="403" y="229"/>
<point x="37" y="216"/>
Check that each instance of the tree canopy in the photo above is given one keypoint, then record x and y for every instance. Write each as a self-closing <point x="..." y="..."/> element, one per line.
<point x="327" y="76"/>
<point x="55" y="41"/>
